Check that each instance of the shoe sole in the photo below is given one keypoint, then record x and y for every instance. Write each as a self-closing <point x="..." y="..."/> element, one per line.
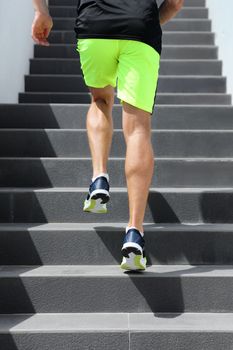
<point x="132" y="258"/>
<point x="100" y="194"/>
<point x="96" y="204"/>
<point x="133" y="262"/>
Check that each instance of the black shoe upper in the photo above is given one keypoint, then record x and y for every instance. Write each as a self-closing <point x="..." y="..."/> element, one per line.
<point x="133" y="235"/>
<point x="101" y="183"/>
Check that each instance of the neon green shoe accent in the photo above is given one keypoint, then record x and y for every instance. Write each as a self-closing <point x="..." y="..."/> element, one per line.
<point x="134" y="262"/>
<point x="95" y="206"/>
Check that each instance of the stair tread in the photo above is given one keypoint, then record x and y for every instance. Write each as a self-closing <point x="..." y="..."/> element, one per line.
<point x="153" y="322"/>
<point x="163" y="60"/>
<point x="56" y="130"/>
<point x="114" y="271"/>
<point x="115" y="226"/>
<point x="68" y="159"/>
<point x="160" y="93"/>
<point x="117" y="189"/>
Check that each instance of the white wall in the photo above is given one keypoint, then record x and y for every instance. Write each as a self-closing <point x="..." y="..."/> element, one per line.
<point x="16" y="47"/>
<point x="220" y="12"/>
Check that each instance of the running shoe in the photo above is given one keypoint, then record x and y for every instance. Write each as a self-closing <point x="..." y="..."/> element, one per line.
<point x="98" y="196"/>
<point x="134" y="256"/>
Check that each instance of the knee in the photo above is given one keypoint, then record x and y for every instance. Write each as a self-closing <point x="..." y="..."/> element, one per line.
<point x="102" y="98"/>
<point x="103" y="101"/>
<point x="102" y="106"/>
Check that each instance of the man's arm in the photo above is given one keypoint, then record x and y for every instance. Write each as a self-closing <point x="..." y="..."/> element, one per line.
<point x="42" y="23"/>
<point x="168" y="9"/>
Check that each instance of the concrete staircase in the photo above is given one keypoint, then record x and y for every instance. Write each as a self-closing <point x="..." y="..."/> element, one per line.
<point x="61" y="287"/>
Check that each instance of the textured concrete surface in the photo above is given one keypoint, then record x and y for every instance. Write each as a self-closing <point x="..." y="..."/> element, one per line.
<point x="168" y="84"/>
<point x="158" y="289"/>
<point x="70" y="116"/>
<point x="155" y="322"/>
<point x="62" y="172"/>
<point x="61" y="286"/>
<point x="165" y="205"/>
<point x="67" y="244"/>
<point x="74" y="143"/>
<point x="163" y="99"/>
<point x="123" y="331"/>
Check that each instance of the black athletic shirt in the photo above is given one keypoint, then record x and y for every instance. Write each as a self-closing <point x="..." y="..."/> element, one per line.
<point x="120" y="19"/>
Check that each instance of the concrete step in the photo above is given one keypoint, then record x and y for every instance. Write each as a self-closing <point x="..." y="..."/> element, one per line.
<point x="183" y="24"/>
<point x="165" y="205"/>
<point x="117" y="331"/>
<point x="169" y="38"/>
<point x="193" y="12"/>
<point x="67" y="244"/>
<point x="74" y="143"/>
<point x="70" y="116"/>
<point x="167" y="67"/>
<point x="187" y="3"/>
<point x="161" y="99"/>
<point x="186" y="12"/>
<point x="65" y="172"/>
<point x="162" y="288"/>
<point x="73" y="83"/>
<point x="74" y="331"/>
<point x="169" y="52"/>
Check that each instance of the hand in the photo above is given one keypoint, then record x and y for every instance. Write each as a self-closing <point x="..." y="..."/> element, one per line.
<point x="41" y="28"/>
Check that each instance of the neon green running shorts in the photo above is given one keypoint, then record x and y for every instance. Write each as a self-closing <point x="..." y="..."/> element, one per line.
<point x="133" y="64"/>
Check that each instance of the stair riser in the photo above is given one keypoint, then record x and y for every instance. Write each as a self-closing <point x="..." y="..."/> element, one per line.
<point x="73" y="143"/>
<point x="169" y="38"/>
<point x="162" y="207"/>
<point x="74" y="117"/>
<point x="192" y="13"/>
<point x="167" y="293"/>
<point x="73" y="173"/>
<point x="172" y="52"/>
<point x="165" y="84"/>
<point x="181" y="340"/>
<point x="161" y="99"/>
<point x="50" y="66"/>
<point x="70" y="247"/>
<point x="59" y="341"/>
<point x="119" y="340"/>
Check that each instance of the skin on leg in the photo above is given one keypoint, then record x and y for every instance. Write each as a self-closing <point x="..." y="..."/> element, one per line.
<point x="139" y="162"/>
<point x="100" y="127"/>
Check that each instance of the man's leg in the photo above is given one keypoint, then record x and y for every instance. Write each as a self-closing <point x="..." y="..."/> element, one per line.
<point x="100" y="127"/>
<point x="139" y="163"/>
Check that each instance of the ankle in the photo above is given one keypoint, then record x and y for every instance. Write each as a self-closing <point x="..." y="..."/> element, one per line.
<point x="100" y="174"/>
<point x="139" y="228"/>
